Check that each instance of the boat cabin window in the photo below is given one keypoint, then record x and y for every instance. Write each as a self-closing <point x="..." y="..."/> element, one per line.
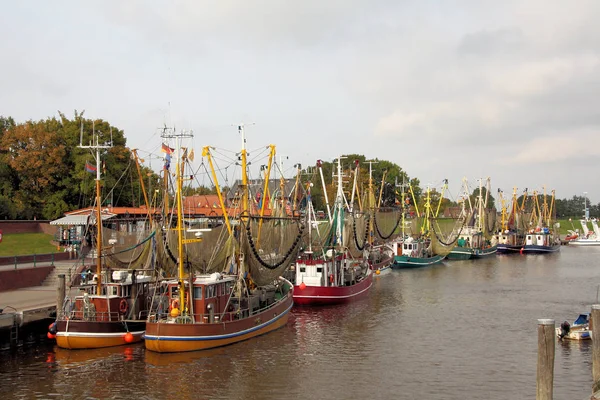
<point x="303" y="269"/>
<point x="126" y="291"/>
<point x="174" y="291"/>
<point x="198" y="293"/>
<point x="210" y="291"/>
<point x="228" y="287"/>
<point x="319" y="270"/>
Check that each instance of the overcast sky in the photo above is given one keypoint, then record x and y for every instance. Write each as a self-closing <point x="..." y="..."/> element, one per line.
<point x="446" y="89"/>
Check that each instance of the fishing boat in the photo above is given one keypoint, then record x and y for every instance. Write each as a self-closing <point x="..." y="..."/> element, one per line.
<point x="588" y="237"/>
<point x="414" y="252"/>
<point x="376" y="252"/>
<point x="330" y="275"/>
<point x="245" y="297"/>
<point x="473" y="241"/>
<point x="511" y="236"/>
<point x="111" y="308"/>
<point x="579" y="330"/>
<point x="542" y="239"/>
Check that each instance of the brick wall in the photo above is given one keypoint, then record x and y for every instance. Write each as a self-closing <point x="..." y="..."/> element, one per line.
<point x="26" y="277"/>
<point x="9" y="227"/>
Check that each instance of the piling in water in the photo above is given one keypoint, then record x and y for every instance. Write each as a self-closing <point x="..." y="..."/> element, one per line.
<point x="545" y="363"/>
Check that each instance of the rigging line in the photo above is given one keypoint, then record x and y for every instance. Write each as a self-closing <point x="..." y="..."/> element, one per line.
<point x="117" y="182"/>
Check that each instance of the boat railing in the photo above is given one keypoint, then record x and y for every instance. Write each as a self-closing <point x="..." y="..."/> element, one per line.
<point x="90" y="315"/>
<point x="216" y="318"/>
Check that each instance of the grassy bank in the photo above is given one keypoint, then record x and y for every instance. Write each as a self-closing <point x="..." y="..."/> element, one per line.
<point x="18" y="244"/>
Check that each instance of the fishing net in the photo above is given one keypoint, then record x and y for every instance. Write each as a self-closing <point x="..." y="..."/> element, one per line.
<point x="270" y="245"/>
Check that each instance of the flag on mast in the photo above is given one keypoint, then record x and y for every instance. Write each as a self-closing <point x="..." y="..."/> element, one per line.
<point x="166" y="149"/>
<point x="90" y="168"/>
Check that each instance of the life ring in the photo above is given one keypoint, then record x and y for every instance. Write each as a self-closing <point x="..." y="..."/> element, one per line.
<point x="123" y="306"/>
<point x="175" y="303"/>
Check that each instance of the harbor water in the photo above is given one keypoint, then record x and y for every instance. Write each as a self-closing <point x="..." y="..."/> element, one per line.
<point x="459" y="330"/>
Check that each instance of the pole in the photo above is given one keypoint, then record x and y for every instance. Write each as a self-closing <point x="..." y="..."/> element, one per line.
<point x="545" y="362"/>
<point x="60" y="295"/>
<point x="595" y="345"/>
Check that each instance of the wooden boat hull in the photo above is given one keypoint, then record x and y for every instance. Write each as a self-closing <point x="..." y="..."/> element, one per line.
<point x="163" y="337"/>
<point x="415" y="262"/>
<point x="536" y="249"/>
<point x="327" y="295"/>
<point x="79" y="334"/>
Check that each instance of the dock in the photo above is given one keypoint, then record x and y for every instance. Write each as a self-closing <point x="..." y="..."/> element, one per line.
<point x="26" y="312"/>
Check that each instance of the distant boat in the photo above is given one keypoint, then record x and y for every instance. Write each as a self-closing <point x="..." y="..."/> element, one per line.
<point x="415" y="253"/>
<point x="579" y="330"/>
<point x="418" y="252"/>
<point x="543" y="238"/>
<point x="511" y="236"/>
<point x="589" y="238"/>
<point x="472" y="243"/>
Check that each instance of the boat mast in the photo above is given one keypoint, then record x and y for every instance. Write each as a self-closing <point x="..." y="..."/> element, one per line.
<point x="319" y="166"/>
<point x="180" y="241"/>
<point x="371" y="203"/>
<point x="403" y="202"/>
<point x="95" y="145"/>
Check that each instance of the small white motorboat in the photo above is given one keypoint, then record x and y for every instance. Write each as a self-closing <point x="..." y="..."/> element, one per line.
<point x="580" y="330"/>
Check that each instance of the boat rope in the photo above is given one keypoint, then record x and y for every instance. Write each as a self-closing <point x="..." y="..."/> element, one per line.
<point x="385" y="237"/>
<point x="444" y="243"/>
<point x="358" y="246"/>
<point x="285" y="257"/>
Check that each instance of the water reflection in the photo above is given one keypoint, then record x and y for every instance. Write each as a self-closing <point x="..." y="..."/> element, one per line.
<point x="462" y="329"/>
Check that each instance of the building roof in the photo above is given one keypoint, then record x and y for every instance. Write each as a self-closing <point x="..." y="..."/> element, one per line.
<point x="79" y="219"/>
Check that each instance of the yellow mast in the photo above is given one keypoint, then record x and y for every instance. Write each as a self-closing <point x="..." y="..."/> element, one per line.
<point x="265" y="191"/>
<point x="444" y="187"/>
<point x="179" y="178"/>
<point x="137" y="164"/>
<point x="206" y="153"/>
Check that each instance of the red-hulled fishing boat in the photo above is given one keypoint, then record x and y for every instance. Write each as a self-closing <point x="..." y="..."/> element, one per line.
<point x="331" y="276"/>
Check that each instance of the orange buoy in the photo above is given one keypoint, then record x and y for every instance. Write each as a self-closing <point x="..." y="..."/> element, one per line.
<point x="51" y="336"/>
<point x="128" y="337"/>
<point x="302" y="286"/>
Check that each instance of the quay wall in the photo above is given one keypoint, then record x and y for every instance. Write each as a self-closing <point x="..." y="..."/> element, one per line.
<point x="23" y="277"/>
<point x="15" y="226"/>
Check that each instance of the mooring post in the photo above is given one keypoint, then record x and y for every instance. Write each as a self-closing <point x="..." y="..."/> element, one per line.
<point x="595" y="325"/>
<point x="545" y="363"/>
<point x="60" y="294"/>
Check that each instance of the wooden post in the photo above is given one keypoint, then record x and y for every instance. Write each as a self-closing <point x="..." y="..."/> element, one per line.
<point x="545" y="363"/>
<point x="133" y="313"/>
<point x="595" y="317"/>
<point x="60" y="294"/>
